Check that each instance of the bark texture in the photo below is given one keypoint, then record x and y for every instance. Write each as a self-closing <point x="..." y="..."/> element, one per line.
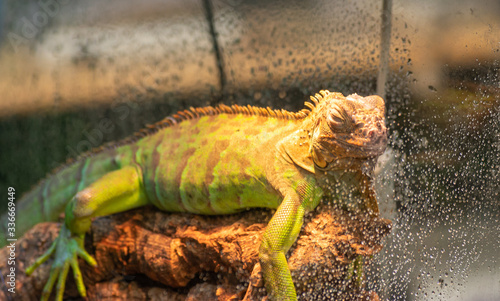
<point x="145" y="254"/>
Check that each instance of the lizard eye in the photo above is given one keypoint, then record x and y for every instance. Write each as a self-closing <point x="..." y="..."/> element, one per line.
<point x="335" y="122"/>
<point x="338" y="119"/>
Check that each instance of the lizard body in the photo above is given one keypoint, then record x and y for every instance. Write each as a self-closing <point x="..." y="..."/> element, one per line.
<point x="217" y="161"/>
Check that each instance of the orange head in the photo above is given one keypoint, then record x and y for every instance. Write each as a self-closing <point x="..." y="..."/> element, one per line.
<point x="347" y="127"/>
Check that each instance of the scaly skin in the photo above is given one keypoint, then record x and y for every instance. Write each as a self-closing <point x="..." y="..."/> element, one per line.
<point x="217" y="161"/>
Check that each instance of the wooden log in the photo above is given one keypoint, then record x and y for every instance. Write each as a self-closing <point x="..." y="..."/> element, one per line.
<point x="147" y="254"/>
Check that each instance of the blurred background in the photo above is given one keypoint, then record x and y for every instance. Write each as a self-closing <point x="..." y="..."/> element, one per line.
<point x="68" y="67"/>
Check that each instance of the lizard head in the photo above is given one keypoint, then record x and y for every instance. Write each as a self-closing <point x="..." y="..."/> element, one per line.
<point x="346" y="127"/>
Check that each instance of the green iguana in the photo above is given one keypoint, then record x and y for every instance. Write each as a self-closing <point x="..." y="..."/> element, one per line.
<point x="215" y="161"/>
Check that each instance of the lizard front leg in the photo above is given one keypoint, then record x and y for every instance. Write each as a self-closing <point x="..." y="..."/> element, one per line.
<point x="280" y="234"/>
<point x="116" y="191"/>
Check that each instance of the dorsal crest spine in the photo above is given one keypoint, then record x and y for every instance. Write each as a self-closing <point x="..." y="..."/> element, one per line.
<point x="194" y="113"/>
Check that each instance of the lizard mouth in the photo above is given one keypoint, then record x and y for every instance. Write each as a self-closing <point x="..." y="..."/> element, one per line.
<point x="346" y="148"/>
<point x="365" y="141"/>
<point x="368" y="142"/>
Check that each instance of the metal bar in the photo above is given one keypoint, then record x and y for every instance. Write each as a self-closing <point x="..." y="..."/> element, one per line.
<point x="207" y="5"/>
<point x="385" y="47"/>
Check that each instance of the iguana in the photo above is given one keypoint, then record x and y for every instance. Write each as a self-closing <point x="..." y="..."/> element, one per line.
<point x="215" y="161"/>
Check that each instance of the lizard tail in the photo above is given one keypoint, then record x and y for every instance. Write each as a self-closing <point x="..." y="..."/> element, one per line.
<point x="47" y="200"/>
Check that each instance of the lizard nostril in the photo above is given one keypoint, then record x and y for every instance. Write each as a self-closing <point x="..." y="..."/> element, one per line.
<point x="371" y="133"/>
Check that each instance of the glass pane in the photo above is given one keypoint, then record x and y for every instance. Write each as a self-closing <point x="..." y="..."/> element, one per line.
<point x="68" y="67"/>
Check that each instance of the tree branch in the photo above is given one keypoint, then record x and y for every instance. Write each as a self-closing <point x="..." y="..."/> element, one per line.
<point x="144" y="253"/>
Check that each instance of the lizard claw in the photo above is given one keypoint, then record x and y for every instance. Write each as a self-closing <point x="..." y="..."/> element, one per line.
<point x="66" y="248"/>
